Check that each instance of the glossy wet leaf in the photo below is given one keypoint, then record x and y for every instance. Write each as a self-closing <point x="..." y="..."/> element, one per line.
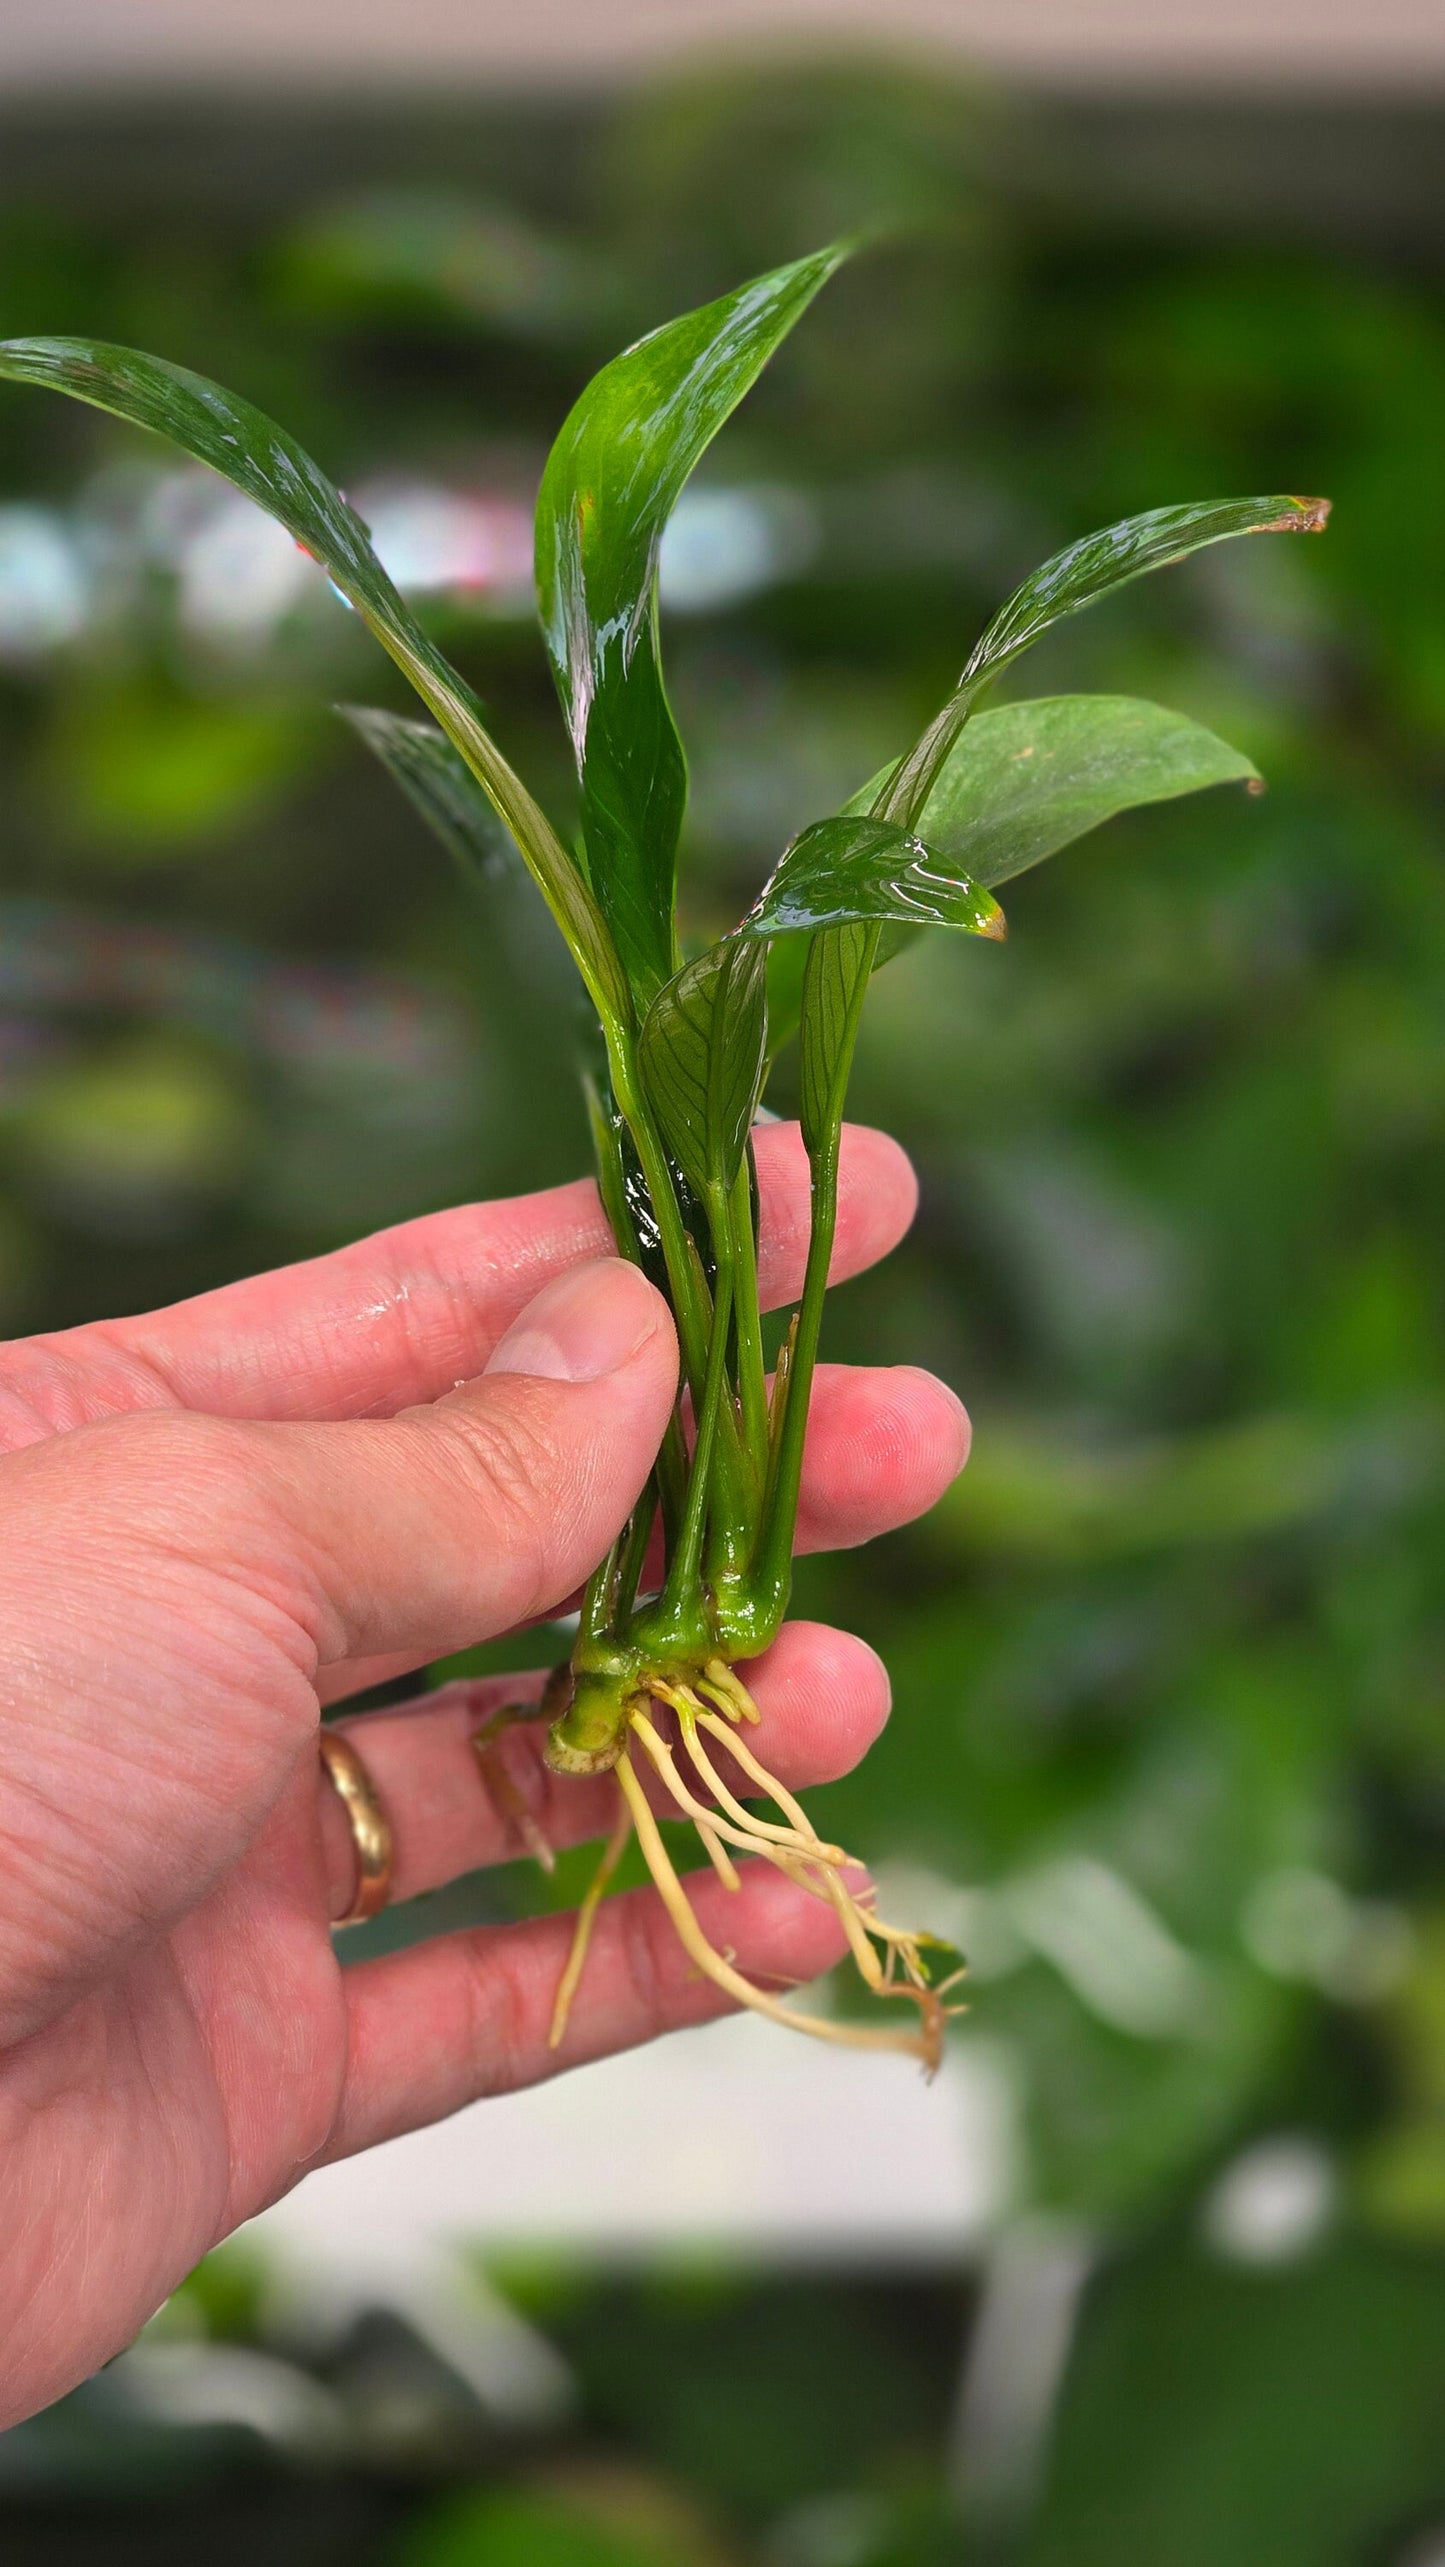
<point x="855" y="869"/>
<point x="260" y="459"/>
<point x="612" y="480"/>
<point x="1019" y="784"/>
<point x="702" y="1051"/>
<point x="1028" y="779"/>
<point x="439" y="784"/>
<point x="1080" y="575"/>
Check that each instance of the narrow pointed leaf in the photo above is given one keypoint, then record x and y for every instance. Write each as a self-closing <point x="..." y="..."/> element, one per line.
<point x="240" y="442"/>
<point x="702" y="1050"/>
<point x="1029" y="778"/>
<point x="612" y="480"/>
<point x="440" y="785"/>
<point x="1079" y="576"/>
<point x="855" y="869"/>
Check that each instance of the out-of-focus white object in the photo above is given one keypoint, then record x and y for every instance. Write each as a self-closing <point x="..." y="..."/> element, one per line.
<point x="1032" y="2284"/>
<point x="238" y="572"/>
<point x="732" y="2136"/>
<point x="1300" y="1924"/>
<point x="229" y="2384"/>
<point x="721" y="546"/>
<point x="730" y="2139"/>
<point x="44" y="593"/>
<point x="1117" y="1955"/>
<point x="1276" y="2201"/>
<point x="1427" y="2551"/>
<point x="476" y="543"/>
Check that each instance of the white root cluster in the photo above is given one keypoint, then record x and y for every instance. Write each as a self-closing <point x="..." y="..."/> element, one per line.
<point x="890" y="1960"/>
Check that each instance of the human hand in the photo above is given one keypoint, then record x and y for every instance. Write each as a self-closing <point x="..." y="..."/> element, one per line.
<point x="221" y="1517"/>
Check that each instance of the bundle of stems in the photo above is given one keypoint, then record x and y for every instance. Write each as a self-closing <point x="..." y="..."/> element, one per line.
<point x="698" y="1582"/>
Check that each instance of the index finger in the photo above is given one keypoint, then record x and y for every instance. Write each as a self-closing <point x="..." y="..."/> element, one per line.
<point x="411" y="1312"/>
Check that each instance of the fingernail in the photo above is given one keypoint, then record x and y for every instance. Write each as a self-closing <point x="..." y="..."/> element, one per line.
<point x="588" y="1322"/>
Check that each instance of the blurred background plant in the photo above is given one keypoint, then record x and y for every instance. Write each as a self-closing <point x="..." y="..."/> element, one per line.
<point x="1166" y="1755"/>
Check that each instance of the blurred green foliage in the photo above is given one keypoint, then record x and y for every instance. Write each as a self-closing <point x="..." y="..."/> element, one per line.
<point x="1168" y="1662"/>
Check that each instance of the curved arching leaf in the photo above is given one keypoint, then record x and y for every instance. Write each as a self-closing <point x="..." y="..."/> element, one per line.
<point x="1080" y="575"/>
<point x="854" y="869"/>
<point x="1027" y="779"/>
<point x="251" y="451"/>
<point x="702" y="1050"/>
<point x="611" y="482"/>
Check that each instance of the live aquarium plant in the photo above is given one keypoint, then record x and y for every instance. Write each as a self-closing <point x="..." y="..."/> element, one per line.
<point x="698" y="1582"/>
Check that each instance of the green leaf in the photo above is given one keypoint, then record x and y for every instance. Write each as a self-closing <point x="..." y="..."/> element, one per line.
<point x="1292" y="2412"/>
<point x="702" y="1051"/>
<point x="1020" y="783"/>
<point x="1079" y="576"/>
<point x="218" y="429"/>
<point x="440" y="785"/>
<point x="1030" y="778"/>
<point x="854" y="869"/>
<point x="612" y="480"/>
<point x="835" y="979"/>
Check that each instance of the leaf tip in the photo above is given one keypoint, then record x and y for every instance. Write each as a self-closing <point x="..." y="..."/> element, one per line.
<point x="1306" y="517"/>
<point x="994" y="925"/>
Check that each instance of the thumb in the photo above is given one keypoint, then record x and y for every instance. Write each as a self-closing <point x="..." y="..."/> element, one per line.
<point x="438" y="1528"/>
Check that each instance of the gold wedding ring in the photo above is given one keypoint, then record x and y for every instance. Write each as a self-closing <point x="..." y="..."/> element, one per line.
<point x="370" y="1827"/>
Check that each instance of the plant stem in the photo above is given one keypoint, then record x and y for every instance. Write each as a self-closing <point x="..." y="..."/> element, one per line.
<point x="670" y="1474"/>
<point x="681" y="1598"/>
<point x="671" y="1466"/>
<point x="688" y="1299"/>
<point x="752" y="1373"/>
<point x="633" y="1556"/>
<point x="599" y="1596"/>
<point x="686" y="1281"/>
<point x="740" y="1462"/>
<point x="770" y="1576"/>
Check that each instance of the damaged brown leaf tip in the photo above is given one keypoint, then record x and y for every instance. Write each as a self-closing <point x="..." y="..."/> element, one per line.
<point x="1310" y="517"/>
